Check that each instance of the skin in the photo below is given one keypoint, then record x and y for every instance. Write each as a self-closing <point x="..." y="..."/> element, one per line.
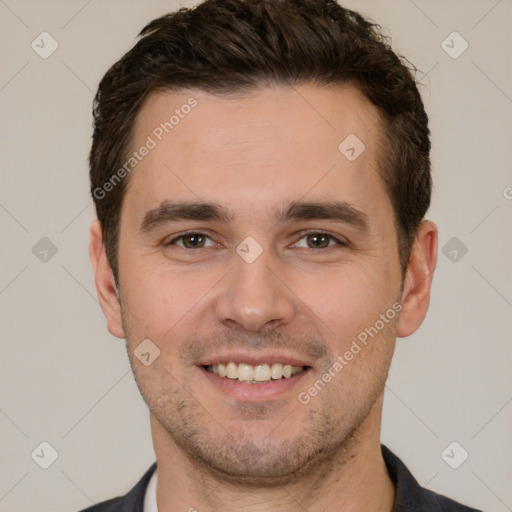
<point x="216" y="449"/>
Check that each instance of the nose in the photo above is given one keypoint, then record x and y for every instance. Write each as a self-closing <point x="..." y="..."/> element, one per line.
<point x="254" y="296"/>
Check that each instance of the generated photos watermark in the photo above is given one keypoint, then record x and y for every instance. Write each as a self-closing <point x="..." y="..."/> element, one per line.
<point x="356" y="347"/>
<point x="152" y="141"/>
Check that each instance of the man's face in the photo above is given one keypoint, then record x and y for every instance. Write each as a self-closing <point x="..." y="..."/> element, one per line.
<point x="211" y="298"/>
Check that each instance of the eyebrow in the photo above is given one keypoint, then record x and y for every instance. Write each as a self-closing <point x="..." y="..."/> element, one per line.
<point x="171" y="211"/>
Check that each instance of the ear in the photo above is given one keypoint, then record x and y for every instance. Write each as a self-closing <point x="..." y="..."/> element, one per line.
<point x="418" y="279"/>
<point x="105" y="283"/>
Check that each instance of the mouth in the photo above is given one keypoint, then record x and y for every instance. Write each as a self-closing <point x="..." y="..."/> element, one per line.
<point x="261" y="373"/>
<point x="246" y="376"/>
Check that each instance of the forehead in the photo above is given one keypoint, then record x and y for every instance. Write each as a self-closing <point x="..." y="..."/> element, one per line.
<point x="255" y="149"/>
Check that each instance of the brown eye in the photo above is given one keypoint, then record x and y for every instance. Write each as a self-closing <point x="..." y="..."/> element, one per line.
<point x="320" y="240"/>
<point x="190" y="241"/>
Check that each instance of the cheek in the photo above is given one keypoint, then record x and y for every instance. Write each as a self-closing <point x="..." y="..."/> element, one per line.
<point x="345" y="301"/>
<point x="160" y="303"/>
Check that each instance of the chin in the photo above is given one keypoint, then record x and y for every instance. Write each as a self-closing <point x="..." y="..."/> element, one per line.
<point x="260" y="463"/>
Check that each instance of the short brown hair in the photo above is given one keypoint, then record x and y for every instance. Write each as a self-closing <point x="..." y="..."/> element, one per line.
<point x="228" y="46"/>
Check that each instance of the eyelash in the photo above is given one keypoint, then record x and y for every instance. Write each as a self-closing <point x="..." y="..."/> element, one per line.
<point x="303" y="234"/>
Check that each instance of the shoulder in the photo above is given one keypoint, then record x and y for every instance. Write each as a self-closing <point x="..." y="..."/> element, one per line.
<point x="112" y="505"/>
<point x="410" y="496"/>
<point x="133" y="501"/>
<point x="445" y="504"/>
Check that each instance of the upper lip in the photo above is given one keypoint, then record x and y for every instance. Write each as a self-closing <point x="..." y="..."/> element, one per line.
<point x="255" y="358"/>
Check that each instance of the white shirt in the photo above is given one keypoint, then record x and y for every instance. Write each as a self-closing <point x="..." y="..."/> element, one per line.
<point x="150" y="496"/>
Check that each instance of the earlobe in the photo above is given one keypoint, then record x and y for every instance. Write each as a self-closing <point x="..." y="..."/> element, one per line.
<point x="418" y="279"/>
<point x="108" y="294"/>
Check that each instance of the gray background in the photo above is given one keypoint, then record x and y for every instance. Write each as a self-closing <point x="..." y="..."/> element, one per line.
<point x="66" y="381"/>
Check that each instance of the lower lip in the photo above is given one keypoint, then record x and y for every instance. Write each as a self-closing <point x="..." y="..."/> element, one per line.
<point x="259" y="392"/>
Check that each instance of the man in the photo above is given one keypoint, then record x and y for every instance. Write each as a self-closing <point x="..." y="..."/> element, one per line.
<point x="260" y="171"/>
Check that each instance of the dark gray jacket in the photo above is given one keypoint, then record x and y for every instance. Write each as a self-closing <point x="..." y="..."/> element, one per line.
<point x="409" y="496"/>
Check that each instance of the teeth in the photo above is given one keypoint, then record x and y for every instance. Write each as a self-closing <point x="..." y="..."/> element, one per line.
<point x="259" y="373"/>
<point x="276" y="371"/>
<point x="245" y="372"/>
<point x="262" y="373"/>
<point x="232" y="371"/>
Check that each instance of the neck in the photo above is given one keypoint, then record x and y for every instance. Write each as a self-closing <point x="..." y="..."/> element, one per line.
<point x="354" y="478"/>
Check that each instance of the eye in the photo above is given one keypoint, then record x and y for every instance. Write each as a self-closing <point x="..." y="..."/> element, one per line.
<point x="314" y="240"/>
<point x="192" y="240"/>
<point x="320" y="240"/>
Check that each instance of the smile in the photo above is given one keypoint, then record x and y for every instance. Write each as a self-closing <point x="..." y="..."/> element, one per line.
<point x="259" y="373"/>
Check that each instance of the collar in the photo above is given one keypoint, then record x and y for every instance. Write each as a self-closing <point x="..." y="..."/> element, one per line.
<point x="409" y="495"/>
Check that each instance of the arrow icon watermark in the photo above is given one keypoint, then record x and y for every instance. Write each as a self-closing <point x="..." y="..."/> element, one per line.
<point x="146" y="352"/>
<point x="352" y="147"/>
<point x="249" y="249"/>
